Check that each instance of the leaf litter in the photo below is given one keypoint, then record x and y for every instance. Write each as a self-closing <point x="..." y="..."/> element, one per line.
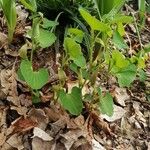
<point x="50" y="127"/>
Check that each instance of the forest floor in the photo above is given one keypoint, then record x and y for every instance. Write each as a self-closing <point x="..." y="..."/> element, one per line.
<point x="46" y="126"/>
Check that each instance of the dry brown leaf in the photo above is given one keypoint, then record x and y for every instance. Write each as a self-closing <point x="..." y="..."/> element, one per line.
<point x="100" y="123"/>
<point x="3" y="39"/>
<point x="23" y="124"/>
<point x="52" y="113"/>
<point x="39" y="144"/>
<point x="120" y="95"/>
<point x="22" y="13"/>
<point x="9" y="85"/>
<point x="2" y="138"/>
<point x="139" y="115"/>
<point x="96" y="145"/>
<point x="16" y="142"/>
<point x="37" y="132"/>
<point x="71" y="137"/>
<point x="20" y="110"/>
<point x="38" y="116"/>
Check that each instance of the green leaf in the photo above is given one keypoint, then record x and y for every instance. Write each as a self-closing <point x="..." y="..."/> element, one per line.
<point x="9" y="10"/>
<point x="119" y="59"/>
<point x="30" y="4"/>
<point x="94" y="23"/>
<point x="45" y="38"/>
<point x="126" y="75"/>
<point x="76" y="34"/>
<point x="142" y="75"/>
<point x="122" y="19"/>
<point x="73" y="101"/>
<point x="48" y="23"/>
<point x="119" y="41"/>
<point x="35" y="79"/>
<point x="106" y="103"/>
<point x="74" y="51"/>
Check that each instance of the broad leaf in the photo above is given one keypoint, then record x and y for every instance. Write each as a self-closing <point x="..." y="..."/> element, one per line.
<point x="122" y="19"/>
<point x="94" y="23"/>
<point x="46" y="38"/>
<point x="76" y="34"/>
<point x="119" y="59"/>
<point x="73" y="49"/>
<point x="106" y="103"/>
<point x="30" y="4"/>
<point x="126" y="75"/>
<point x="35" y="79"/>
<point x="48" y="23"/>
<point x="73" y="101"/>
<point x="119" y="41"/>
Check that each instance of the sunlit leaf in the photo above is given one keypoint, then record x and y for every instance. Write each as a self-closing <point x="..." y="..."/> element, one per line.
<point x="35" y="79"/>
<point x="94" y="23"/>
<point x="119" y="41"/>
<point x="45" y="38"/>
<point x="73" y="49"/>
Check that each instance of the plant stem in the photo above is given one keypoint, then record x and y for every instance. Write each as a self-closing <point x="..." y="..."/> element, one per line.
<point x="10" y="34"/>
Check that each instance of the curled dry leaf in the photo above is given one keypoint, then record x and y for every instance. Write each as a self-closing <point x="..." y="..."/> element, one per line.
<point x="118" y="114"/>
<point x="138" y="114"/>
<point x="2" y="138"/>
<point x="96" y="145"/>
<point x="3" y="39"/>
<point x="9" y="85"/>
<point x="71" y="137"/>
<point x="22" y="13"/>
<point x="120" y="95"/>
<point x="39" y="144"/>
<point x="16" y="142"/>
<point x="38" y="116"/>
<point x="23" y="125"/>
<point x="20" y="110"/>
<point x="37" y="132"/>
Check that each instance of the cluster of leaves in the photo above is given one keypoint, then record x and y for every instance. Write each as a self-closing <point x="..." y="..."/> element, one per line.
<point x="106" y="49"/>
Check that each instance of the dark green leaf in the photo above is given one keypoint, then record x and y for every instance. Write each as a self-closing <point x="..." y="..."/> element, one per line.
<point x="73" y="101"/>
<point x="106" y="104"/>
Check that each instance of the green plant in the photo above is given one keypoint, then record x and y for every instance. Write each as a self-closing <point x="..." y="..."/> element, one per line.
<point x="9" y="10"/>
<point x="41" y="36"/>
<point x="105" y="38"/>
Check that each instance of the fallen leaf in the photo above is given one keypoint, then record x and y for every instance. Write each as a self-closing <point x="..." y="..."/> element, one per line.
<point x="71" y="137"/>
<point x="38" y="116"/>
<point x="39" y="144"/>
<point x="37" y="132"/>
<point x="3" y="39"/>
<point x="120" y="95"/>
<point x="16" y="142"/>
<point x="96" y="145"/>
<point x="2" y="138"/>
<point x="23" y="124"/>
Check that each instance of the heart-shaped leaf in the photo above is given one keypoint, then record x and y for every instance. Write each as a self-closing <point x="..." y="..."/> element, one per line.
<point x="46" y="38"/>
<point x="106" y="103"/>
<point x="35" y="79"/>
<point x="73" y="101"/>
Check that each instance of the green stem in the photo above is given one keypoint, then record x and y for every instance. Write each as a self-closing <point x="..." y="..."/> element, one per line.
<point x="10" y="34"/>
<point x="91" y="48"/>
